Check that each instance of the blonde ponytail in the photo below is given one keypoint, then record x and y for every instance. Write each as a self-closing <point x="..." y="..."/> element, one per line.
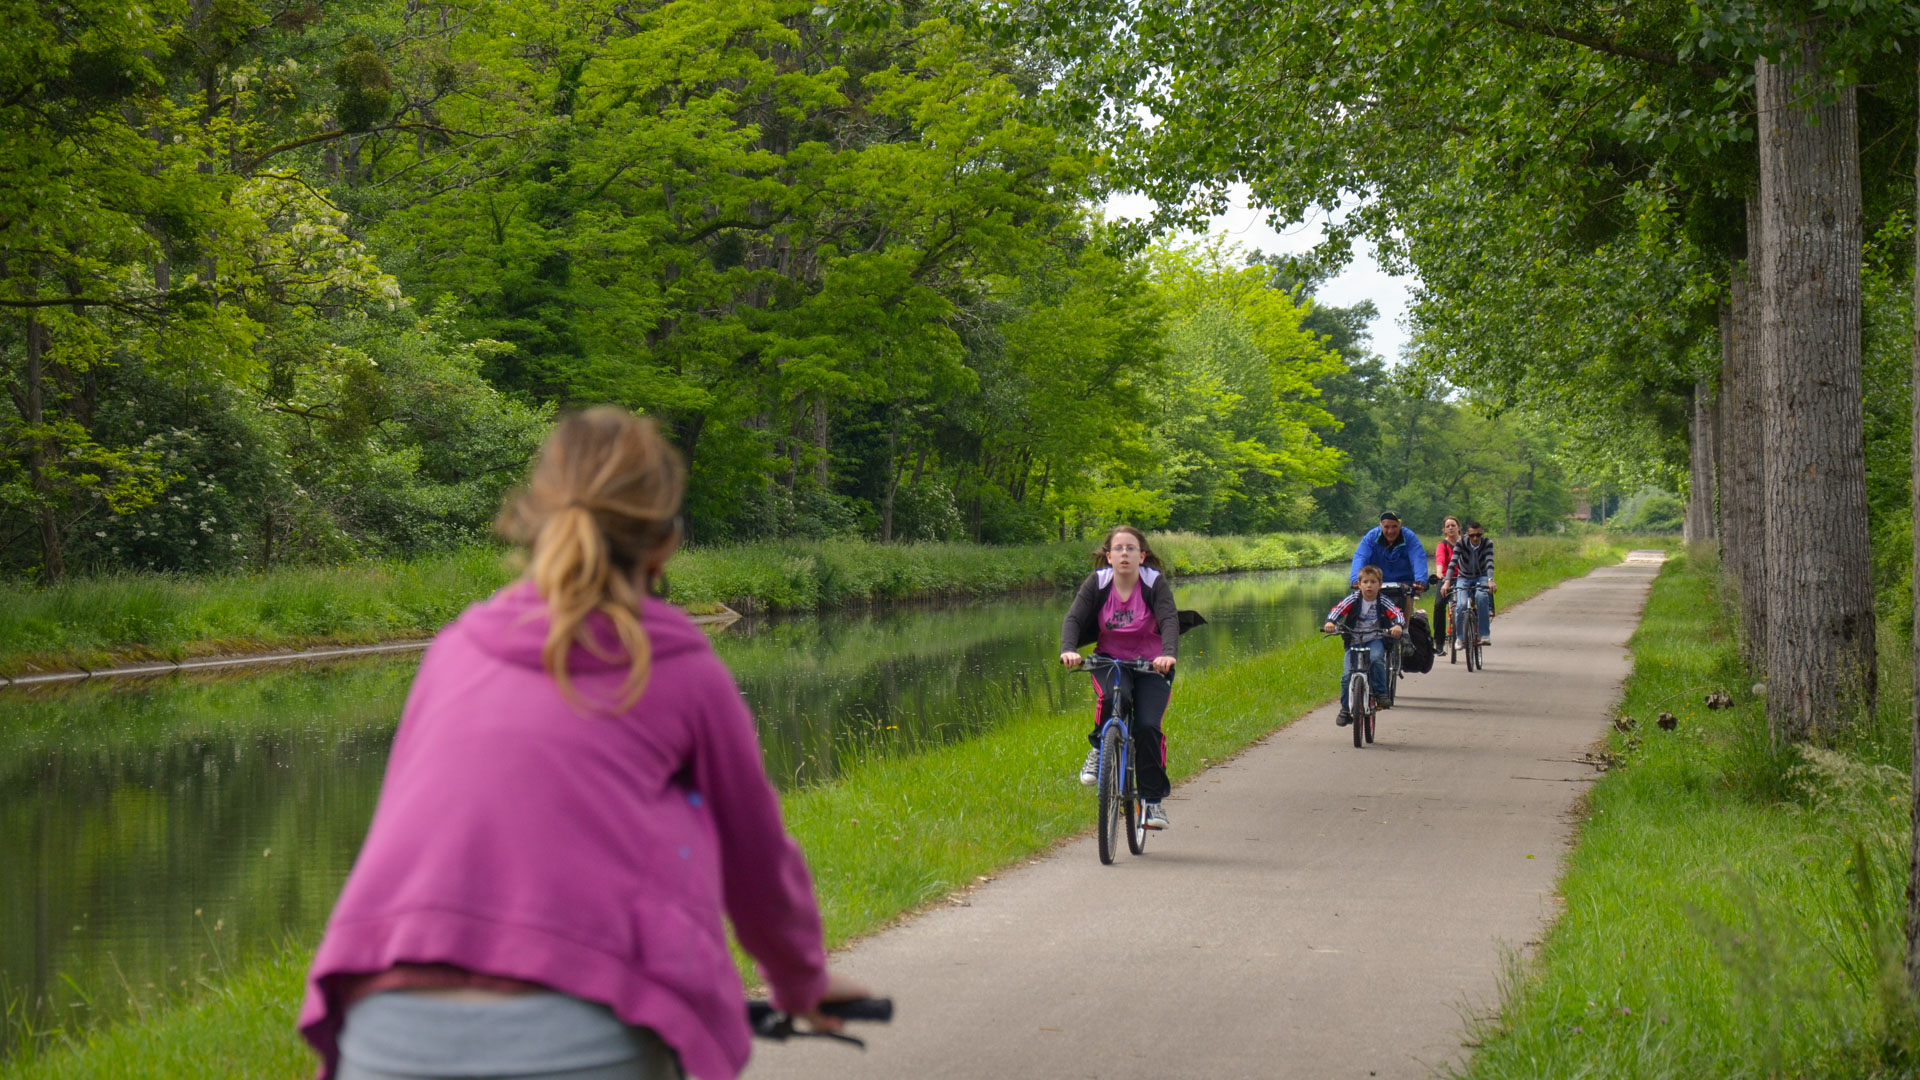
<point x="603" y="501"/>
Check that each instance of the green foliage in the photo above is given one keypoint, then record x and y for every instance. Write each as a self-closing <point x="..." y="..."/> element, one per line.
<point x="1650" y="511"/>
<point x="322" y="282"/>
<point x="1568" y="182"/>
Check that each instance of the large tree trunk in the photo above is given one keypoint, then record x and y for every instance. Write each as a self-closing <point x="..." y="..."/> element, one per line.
<point x="822" y="447"/>
<point x="1820" y="601"/>
<point x="1723" y="438"/>
<point x="1743" y="499"/>
<point x="1913" y="864"/>
<point x="52" y="561"/>
<point x="1698" y="528"/>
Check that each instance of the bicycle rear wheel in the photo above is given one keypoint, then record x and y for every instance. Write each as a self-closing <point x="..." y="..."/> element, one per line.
<point x="1136" y="812"/>
<point x="1359" y="704"/>
<point x="1110" y="795"/>
<point x="1373" y="713"/>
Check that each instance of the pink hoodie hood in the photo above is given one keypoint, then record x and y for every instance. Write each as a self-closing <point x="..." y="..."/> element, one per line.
<point x="590" y="850"/>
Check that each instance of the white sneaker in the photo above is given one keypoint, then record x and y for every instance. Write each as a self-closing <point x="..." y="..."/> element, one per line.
<point x="1090" y="772"/>
<point x="1155" y="818"/>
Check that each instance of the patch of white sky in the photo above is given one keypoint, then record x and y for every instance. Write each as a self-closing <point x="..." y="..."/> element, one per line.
<point x="1247" y="226"/>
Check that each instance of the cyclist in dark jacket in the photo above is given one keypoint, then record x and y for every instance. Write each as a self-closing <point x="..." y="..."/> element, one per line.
<point x="1472" y="574"/>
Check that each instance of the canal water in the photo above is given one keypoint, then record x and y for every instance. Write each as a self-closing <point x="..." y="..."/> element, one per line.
<point x="157" y="836"/>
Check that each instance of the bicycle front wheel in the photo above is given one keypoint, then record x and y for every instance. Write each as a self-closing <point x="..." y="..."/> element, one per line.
<point x="1111" y="795"/>
<point x="1359" y="704"/>
<point x="1473" y="640"/>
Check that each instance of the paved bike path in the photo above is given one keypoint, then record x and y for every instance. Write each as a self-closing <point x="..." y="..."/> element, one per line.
<point x="1315" y="910"/>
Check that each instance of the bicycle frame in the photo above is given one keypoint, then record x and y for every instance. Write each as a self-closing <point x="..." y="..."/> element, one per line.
<point x="1464" y="635"/>
<point x="1357" y="688"/>
<point x="1119" y="722"/>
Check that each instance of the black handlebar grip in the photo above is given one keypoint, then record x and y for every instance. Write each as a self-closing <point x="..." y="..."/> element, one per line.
<point x="876" y="1009"/>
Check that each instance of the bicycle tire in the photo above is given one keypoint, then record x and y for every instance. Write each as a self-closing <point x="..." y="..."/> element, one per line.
<point x="1392" y="675"/>
<point x="1136" y="812"/>
<point x="1359" y="703"/>
<point x="1473" y="639"/>
<point x="1373" y="714"/>
<point x="1110" y="795"/>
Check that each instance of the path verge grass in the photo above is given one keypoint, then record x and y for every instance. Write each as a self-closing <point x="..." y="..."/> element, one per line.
<point x="98" y="622"/>
<point x="892" y="837"/>
<point x="1729" y="910"/>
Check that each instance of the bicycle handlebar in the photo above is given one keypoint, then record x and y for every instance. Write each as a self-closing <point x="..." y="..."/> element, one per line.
<point x="768" y="1022"/>
<point x="1113" y="661"/>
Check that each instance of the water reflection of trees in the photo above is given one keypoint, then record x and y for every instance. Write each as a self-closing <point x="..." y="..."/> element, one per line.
<point x="135" y="876"/>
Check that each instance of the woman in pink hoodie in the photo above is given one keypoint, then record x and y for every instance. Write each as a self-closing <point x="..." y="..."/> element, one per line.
<point x="574" y="798"/>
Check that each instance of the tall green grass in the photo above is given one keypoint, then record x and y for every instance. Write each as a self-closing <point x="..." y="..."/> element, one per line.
<point x="1731" y="910"/>
<point x="96" y="622"/>
<point x="894" y="835"/>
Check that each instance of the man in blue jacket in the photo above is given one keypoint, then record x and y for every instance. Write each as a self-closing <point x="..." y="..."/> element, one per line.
<point x="1396" y="551"/>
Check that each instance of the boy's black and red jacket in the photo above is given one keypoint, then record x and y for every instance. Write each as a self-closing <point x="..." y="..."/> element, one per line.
<point x="1347" y="611"/>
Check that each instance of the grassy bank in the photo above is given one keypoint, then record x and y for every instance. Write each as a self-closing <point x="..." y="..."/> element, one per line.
<point x="1730" y="910"/>
<point x="97" y="622"/>
<point x="895" y="835"/>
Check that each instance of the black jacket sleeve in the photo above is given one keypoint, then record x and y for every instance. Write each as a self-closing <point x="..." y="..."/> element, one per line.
<point x="1080" y="627"/>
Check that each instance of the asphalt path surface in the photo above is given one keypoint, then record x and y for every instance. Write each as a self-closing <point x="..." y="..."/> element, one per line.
<point x="1314" y="911"/>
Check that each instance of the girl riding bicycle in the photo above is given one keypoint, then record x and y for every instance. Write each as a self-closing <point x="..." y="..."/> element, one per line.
<point x="1125" y="608"/>
<point x="575" y="798"/>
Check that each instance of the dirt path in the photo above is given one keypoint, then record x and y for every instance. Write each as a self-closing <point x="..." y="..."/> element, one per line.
<point x="1315" y="911"/>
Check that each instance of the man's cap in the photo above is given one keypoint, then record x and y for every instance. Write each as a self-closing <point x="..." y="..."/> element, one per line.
<point x="1388" y="515"/>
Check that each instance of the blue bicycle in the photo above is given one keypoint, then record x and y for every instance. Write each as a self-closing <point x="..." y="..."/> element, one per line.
<point x="1117" y="789"/>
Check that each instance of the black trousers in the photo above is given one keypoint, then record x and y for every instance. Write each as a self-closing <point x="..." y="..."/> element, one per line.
<point x="1150" y="694"/>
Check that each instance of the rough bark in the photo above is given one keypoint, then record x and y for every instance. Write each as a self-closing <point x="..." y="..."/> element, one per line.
<point x="1723" y="439"/>
<point x="822" y="447"/>
<point x="1820" y="601"/>
<point x="1698" y="527"/>
<point x="1743" y="498"/>
<point x="1913" y="864"/>
<point x="52" y="561"/>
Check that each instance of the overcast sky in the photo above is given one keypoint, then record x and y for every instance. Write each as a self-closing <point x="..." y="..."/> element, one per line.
<point x="1362" y="280"/>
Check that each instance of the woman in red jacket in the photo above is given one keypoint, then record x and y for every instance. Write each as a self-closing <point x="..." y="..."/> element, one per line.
<point x="1443" y="566"/>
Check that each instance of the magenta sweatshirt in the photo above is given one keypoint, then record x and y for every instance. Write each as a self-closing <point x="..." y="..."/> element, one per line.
<point x="521" y="835"/>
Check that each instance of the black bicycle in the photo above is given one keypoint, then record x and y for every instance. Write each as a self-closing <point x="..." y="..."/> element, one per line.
<point x="1362" y="706"/>
<point x="1466" y="626"/>
<point x="768" y="1022"/>
<point x="1118" y="787"/>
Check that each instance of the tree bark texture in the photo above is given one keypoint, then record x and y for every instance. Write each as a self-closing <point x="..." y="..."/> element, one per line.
<point x="53" y="562"/>
<point x="1698" y="527"/>
<point x="1913" y="863"/>
<point x="1743" y="498"/>
<point x="1820" y="599"/>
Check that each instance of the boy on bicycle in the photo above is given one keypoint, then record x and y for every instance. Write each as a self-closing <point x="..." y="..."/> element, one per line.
<point x="1373" y="618"/>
